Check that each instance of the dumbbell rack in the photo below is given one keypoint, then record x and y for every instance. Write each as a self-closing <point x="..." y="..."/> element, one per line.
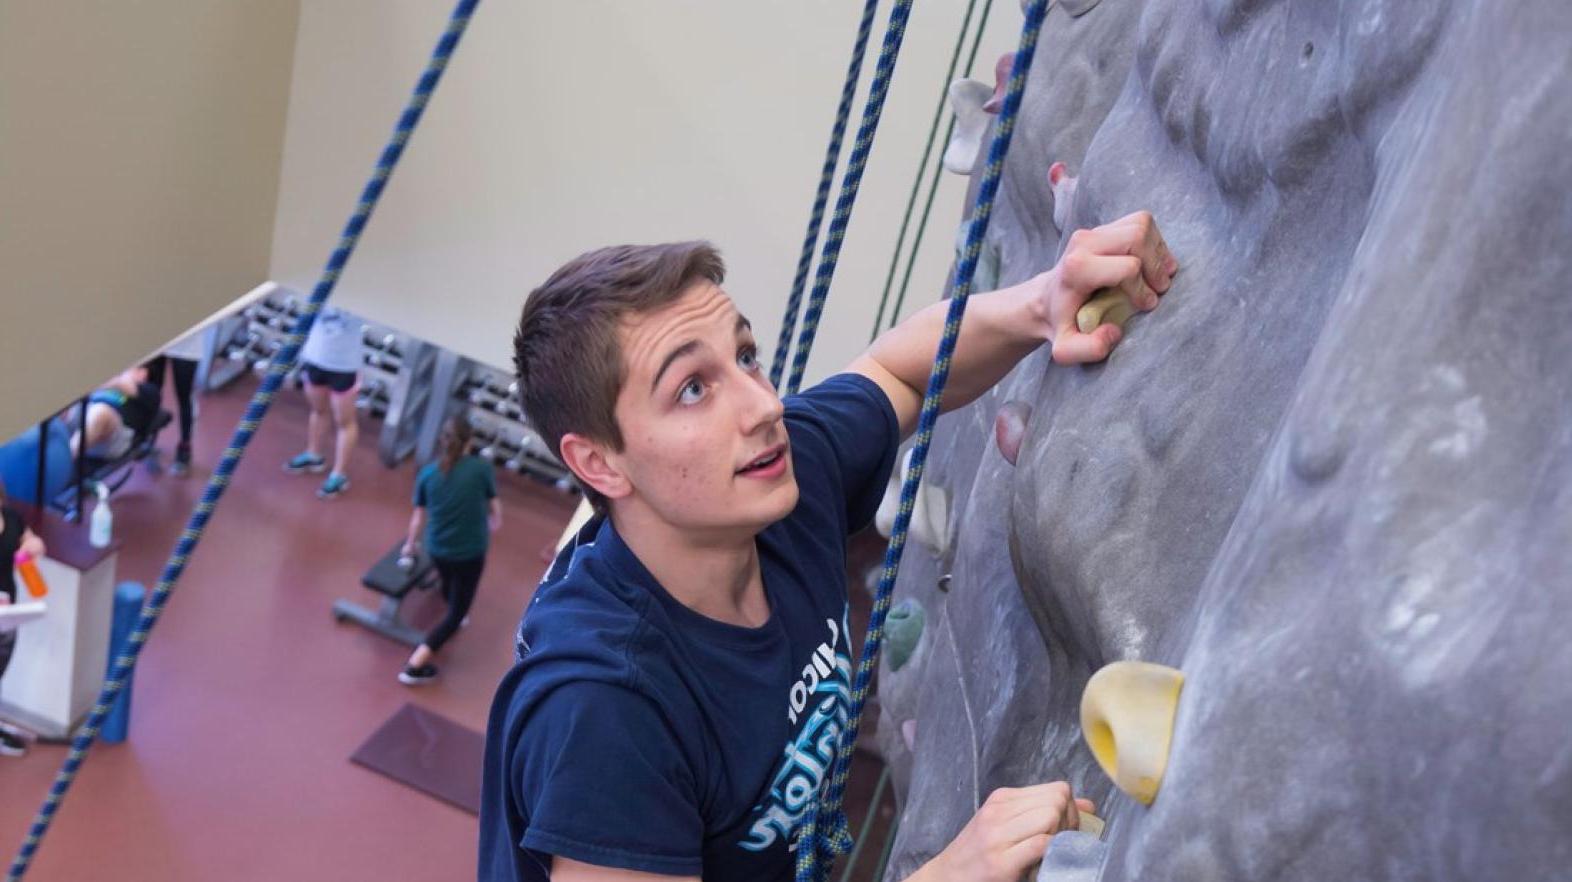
<point x="502" y="434"/>
<point x="410" y="385"/>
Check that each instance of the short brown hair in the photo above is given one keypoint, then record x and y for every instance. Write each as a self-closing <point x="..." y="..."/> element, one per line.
<point x="566" y="351"/>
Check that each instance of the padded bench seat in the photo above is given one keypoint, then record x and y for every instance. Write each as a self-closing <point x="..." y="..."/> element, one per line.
<point x="394" y="583"/>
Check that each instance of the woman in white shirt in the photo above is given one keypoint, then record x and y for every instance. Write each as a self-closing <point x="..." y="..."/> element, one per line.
<point x="330" y="368"/>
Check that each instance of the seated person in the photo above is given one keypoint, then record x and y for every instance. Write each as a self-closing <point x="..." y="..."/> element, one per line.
<point x="119" y="412"/>
<point x="19" y="462"/>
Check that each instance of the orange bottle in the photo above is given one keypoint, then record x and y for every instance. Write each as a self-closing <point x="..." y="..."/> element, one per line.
<point x="30" y="575"/>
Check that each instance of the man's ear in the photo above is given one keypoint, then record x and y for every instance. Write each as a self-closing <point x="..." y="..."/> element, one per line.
<point x="595" y="465"/>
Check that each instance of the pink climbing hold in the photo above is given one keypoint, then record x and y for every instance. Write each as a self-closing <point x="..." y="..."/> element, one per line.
<point x="1001" y="81"/>
<point x="909" y="734"/>
<point x="1009" y="427"/>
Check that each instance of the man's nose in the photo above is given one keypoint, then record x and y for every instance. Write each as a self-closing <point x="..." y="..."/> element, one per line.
<point x="761" y="407"/>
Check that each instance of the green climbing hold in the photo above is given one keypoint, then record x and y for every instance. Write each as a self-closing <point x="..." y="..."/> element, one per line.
<point x="902" y="631"/>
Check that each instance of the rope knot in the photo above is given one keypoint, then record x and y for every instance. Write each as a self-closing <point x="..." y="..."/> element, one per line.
<point x="837" y="837"/>
<point x="821" y="842"/>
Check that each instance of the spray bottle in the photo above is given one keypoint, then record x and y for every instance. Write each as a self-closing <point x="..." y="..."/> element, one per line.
<point x="34" y="580"/>
<point x="102" y="527"/>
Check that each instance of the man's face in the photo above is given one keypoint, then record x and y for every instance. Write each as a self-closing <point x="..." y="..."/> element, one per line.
<point x="704" y="444"/>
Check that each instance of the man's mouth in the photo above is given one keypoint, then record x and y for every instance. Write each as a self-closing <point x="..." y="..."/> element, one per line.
<point x="764" y="461"/>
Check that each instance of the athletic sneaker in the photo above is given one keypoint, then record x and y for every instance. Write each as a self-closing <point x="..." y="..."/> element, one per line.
<point x="10" y="745"/>
<point x="333" y="486"/>
<point x="418" y="676"/>
<point x="182" y="464"/>
<point x="306" y="462"/>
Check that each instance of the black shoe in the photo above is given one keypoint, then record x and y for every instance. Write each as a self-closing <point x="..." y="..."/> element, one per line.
<point x="417" y="676"/>
<point x="182" y="464"/>
<point x="10" y="745"/>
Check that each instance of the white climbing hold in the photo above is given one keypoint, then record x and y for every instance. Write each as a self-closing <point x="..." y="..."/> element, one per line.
<point x="967" y="98"/>
<point x="931" y="519"/>
<point x="1063" y="184"/>
<point x="1127" y="717"/>
<point x="930" y="523"/>
<point x="986" y="276"/>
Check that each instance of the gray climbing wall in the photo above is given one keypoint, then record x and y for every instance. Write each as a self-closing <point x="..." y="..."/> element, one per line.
<point x="1330" y="478"/>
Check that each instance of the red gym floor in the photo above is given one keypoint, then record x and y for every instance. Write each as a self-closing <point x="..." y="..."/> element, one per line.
<point x="249" y="698"/>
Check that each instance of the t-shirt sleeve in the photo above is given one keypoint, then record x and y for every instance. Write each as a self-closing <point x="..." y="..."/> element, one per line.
<point x="491" y="481"/>
<point x="601" y="779"/>
<point x="420" y="488"/>
<point x="846" y="431"/>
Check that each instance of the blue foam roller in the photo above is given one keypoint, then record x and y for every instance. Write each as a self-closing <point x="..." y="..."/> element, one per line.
<point x="128" y="608"/>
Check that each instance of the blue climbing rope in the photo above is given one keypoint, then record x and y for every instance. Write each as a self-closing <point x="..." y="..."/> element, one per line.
<point x="850" y="182"/>
<point x="282" y="363"/>
<point x="832" y="156"/>
<point x="817" y="850"/>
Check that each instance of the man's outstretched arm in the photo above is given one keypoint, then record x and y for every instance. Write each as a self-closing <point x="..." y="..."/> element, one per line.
<point x="1002" y="327"/>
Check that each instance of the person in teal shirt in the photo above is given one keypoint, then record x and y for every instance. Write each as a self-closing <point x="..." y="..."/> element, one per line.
<point x="456" y="503"/>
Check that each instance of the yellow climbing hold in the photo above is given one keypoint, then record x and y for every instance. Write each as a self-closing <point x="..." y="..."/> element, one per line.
<point x="1107" y="306"/>
<point x="581" y="516"/>
<point x="1127" y="717"/>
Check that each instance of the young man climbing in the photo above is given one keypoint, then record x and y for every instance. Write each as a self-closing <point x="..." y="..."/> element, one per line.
<point x="685" y="662"/>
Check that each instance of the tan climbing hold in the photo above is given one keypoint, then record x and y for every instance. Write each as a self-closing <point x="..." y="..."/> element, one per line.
<point x="1107" y="306"/>
<point x="1127" y="717"/>
<point x="1091" y="824"/>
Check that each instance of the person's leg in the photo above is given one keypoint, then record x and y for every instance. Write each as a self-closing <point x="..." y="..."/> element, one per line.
<point x="461" y="579"/>
<point x="184" y="370"/>
<point x="10" y="743"/>
<point x="318" y="397"/>
<point x="316" y="421"/>
<point x="155" y="370"/>
<point x="103" y="421"/>
<point x="7" y="645"/>
<point x="347" y="421"/>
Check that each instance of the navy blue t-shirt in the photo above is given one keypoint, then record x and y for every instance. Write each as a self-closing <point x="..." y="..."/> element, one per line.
<point x="636" y="733"/>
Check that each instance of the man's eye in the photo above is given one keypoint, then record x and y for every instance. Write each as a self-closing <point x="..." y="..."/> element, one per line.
<point x="691" y="392"/>
<point x="749" y="359"/>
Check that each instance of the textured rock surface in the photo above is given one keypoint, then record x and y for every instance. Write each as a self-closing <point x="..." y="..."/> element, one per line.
<point x="1330" y="478"/>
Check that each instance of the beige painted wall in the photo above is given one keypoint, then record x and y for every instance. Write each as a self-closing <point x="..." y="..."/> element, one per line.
<point x="565" y="126"/>
<point x="140" y="145"/>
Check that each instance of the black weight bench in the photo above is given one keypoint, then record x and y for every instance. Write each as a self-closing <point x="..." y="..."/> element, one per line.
<point x="394" y="583"/>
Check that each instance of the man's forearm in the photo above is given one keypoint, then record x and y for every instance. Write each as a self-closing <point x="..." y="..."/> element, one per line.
<point x="1001" y="328"/>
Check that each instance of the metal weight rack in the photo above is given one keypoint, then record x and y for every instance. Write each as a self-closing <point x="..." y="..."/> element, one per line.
<point x="409" y="385"/>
